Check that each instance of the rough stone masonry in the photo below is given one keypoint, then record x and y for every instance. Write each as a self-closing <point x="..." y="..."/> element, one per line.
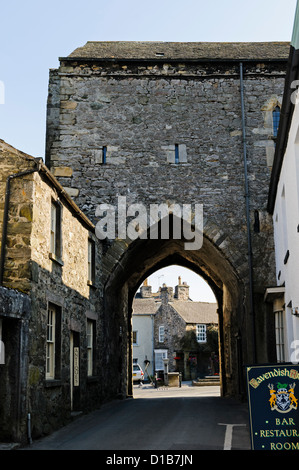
<point x="161" y="122"/>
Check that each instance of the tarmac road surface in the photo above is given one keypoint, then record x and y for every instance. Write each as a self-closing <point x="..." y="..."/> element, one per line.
<point x="173" y="419"/>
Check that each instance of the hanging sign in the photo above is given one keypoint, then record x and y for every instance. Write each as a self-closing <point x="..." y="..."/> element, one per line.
<point x="273" y="394"/>
<point x="76" y="367"/>
<point x="2" y="352"/>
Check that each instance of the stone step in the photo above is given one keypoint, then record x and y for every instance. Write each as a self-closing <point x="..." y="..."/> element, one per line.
<point x="208" y="380"/>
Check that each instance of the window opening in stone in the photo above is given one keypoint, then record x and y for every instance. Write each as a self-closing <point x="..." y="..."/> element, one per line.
<point x="276" y="118"/>
<point x="176" y="154"/>
<point x="104" y="155"/>
<point x="161" y="334"/>
<point x="55" y="233"/>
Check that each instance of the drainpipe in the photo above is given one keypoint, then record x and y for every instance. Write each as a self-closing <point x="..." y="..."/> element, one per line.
<point x="6" y="210"/>
<point x="247" y="215"/>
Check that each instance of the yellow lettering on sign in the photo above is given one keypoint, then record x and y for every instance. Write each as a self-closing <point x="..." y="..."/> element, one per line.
<point x="285" y="421"/>
<point x="284" y="446"/>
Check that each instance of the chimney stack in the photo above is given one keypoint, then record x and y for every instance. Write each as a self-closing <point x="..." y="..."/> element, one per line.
<point x="145" y="290"/>
<point x="166" y="294"/>
<point x="181" y="290"/>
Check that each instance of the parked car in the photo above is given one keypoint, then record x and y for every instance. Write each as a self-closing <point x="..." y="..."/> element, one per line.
<point x="138" y="375"/>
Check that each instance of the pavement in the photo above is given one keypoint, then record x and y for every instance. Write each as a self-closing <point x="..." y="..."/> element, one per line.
<point x="156" y="419"/>
<point x="9" y="445"/>
<point x="186" y="390"/>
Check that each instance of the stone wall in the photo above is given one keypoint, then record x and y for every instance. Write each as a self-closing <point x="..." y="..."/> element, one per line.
<point x="66" y="286"/>
<point x="19" y="225"/>
<point x="138" y="113"/>
<point x="174" y="328"/>
<point x="169" y="130"/>
<point x="47" y="280"/>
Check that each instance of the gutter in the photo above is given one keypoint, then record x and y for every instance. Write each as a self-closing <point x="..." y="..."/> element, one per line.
<point x="249" y="245"/>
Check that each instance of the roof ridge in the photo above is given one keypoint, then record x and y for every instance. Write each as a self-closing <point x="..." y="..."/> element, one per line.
<point x="181" y="50"/>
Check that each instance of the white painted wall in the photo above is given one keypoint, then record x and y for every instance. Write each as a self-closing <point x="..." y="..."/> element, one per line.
<point x="143" y="324"/>
<point x="286" y="235"/>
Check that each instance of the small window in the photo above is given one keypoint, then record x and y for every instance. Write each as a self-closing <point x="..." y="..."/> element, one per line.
<point x="55" y="240"/>
<point x="161" y="334"/>
<point x="201" y="333"/>
<point x="90" y="334"/>
<point x="176" y="153"/>
<point x="135" y="338"/>
<point x="279" y="333"/>
<point x="276" y="119"/>
<point x="91" y="262"/>
<point x="53" y="343"/>
<point x="104" y="155"/>
<point x="50" y="343"/>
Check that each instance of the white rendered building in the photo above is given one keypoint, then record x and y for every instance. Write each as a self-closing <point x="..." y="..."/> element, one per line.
<point x="283" y="204"/>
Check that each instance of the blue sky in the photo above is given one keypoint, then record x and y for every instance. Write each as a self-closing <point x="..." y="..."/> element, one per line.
<point x="33" y="34"/>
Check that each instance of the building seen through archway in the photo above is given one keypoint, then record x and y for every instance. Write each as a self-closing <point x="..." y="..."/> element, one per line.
<point x="182" y="124"/>
<point x="138" y="262"/>
<point x="168" y="324"/>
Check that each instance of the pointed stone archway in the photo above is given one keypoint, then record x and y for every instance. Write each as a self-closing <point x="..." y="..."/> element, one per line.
<point x="128" y="263"/>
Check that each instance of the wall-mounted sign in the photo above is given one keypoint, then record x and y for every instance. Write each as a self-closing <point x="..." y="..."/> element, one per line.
<point x="273" y="395"/>
<point x="2" y="352"/>
<point x="76" y="367"/>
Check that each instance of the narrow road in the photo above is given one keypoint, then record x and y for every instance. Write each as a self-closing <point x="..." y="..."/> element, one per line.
<point x="181" y="419"/>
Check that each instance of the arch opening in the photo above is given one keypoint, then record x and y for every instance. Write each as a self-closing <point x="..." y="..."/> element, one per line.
<point x="175" y="318"/>
<point x="135" y="261"/>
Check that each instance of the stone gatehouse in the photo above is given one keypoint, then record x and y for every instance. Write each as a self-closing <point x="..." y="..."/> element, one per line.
<point x="180" y="123"/>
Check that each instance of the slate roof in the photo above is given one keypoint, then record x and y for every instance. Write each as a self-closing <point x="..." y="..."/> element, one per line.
<point x="145" y="306"/>
<point x="182" y="50"/>
<point x="196" y="312"/>
<point x="191" y="312"/>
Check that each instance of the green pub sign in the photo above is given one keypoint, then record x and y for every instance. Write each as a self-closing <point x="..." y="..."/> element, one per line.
<point x="273" y="394"/>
